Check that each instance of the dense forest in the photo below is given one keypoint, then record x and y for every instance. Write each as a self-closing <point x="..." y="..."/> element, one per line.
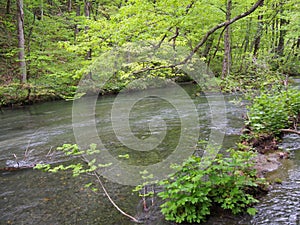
<point x="48" y="45"/>
<point x="250" y="47"/>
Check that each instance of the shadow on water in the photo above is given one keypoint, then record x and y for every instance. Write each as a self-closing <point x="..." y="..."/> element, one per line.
<point x="34" y="197"/>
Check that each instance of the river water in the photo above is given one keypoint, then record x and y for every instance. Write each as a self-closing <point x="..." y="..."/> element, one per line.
<point x="32" y="134"/>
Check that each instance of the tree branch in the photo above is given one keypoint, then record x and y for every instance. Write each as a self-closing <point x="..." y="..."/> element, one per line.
<point x="107" y="194"/>
<point x="290" y="131"/>
<point x="112" y="201"/>
<point x="220" y="25"/>
<point x="218" y="44"/>
<point x="204" y="39"/>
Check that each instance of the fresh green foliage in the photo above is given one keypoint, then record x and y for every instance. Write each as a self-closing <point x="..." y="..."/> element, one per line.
<point x="125" y="156"/>
<point x="193" y="190"/>
<point x="252" y="82"/>
<point x="83" y="167"/>
<point x="62" y="41"/>
<point x="273" y="111"/>
<point x="148" y="181"/>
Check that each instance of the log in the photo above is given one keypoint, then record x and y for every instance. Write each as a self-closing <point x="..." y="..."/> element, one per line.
<point x="9" y="169"/>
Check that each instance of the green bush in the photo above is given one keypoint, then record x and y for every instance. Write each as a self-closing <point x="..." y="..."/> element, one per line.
<point x="271" y="112"/>
<point x="190" y="193"/>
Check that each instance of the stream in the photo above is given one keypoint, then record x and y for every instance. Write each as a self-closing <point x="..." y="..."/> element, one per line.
<point x="32" y="134"/>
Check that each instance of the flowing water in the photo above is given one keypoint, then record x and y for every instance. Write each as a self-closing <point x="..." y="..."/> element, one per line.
<point x="32" y="133"/>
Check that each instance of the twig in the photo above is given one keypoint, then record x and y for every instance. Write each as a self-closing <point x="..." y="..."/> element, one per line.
<point x="108" y="196"/>
<point x="174" y="37"/>
<point x="290" y="131"/>
<point x="112" y="202"/>
<point x="218" y="44"/>
<point x="189" y="7"/>
<point x="48" y="154"/>
<point x="16" y="160"/>
<point x="26" y="151"/>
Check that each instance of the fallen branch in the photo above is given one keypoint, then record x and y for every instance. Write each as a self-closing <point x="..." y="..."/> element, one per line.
<point x="290" y="131"/>
<point x="108" y="196"/>
<point x="112" y="202"/>
<point x="11" y="168"/>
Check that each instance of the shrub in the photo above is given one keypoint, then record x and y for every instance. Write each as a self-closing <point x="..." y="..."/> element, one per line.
<point x="192" y="191"/>
<point x="271" y="112"/>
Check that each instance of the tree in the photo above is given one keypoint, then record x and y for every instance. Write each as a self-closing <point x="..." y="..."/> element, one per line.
<point x="87" y="13"/>
<point x="21" y="40"/>
<point x="8" y="6"/>
<point x="258" y="34"/>
<point x="227" y="46"/>
<point x="57" y="56"/>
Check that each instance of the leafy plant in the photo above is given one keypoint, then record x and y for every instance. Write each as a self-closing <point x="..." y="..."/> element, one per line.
<point x="146" y="189"/>
<point x="271" y="112"/>
<point x="84" y="167"/>
<point x="227" y="182"/>
<point x="78" y="168"/>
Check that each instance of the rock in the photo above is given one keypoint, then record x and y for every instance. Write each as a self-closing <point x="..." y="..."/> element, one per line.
<point x="268" y="162"/>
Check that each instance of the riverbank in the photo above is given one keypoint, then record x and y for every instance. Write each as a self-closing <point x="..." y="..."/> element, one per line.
<point x="16" y="95"/>
<point x="50" y="124"/>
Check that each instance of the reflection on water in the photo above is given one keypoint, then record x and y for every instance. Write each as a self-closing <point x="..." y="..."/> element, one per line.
<point x="34" y="197"/>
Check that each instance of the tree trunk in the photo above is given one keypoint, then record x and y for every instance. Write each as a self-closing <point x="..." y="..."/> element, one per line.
<point x="208" y="46"/>
<point x="87" y="13"/>
<point x="282" y="32"/>
<point x="227" y="45"/>
<point x="296" y="47"/>
<point x="87" y="8"/>
<point x="8" y="2"/>
<point x="245" y="46"/>
<point x="258" y="34"/>
<point x="247" y="36"/>
<point x="76" y="31"/>
<point x="21" y="41"/>
<point x="42" y="9"/>
<point x="69" y="4"/>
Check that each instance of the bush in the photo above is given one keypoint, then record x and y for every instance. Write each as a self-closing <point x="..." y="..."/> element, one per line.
<point x="192" y="191"/>
<point x="271" y="112"/>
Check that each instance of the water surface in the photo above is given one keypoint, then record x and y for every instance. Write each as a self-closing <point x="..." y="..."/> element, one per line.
<point x="33" y="197"/>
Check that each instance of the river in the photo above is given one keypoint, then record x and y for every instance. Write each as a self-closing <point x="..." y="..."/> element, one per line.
<point x="33" y="132"/>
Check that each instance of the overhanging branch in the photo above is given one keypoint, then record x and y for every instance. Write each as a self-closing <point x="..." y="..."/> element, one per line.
<point x="220" y="25"/>
<point x="204" y="39"/>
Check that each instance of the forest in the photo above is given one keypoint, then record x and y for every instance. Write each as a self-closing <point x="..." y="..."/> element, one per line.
<point x="47" y="46"/>
<point x="251" y="48"/>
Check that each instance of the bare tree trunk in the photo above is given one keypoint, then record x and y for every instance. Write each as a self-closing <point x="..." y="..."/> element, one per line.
<point x="21" y="41"/>
<point x="227" y="44"/>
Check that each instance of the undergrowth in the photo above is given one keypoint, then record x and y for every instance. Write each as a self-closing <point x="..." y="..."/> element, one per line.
<point x="227" y="182"/>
